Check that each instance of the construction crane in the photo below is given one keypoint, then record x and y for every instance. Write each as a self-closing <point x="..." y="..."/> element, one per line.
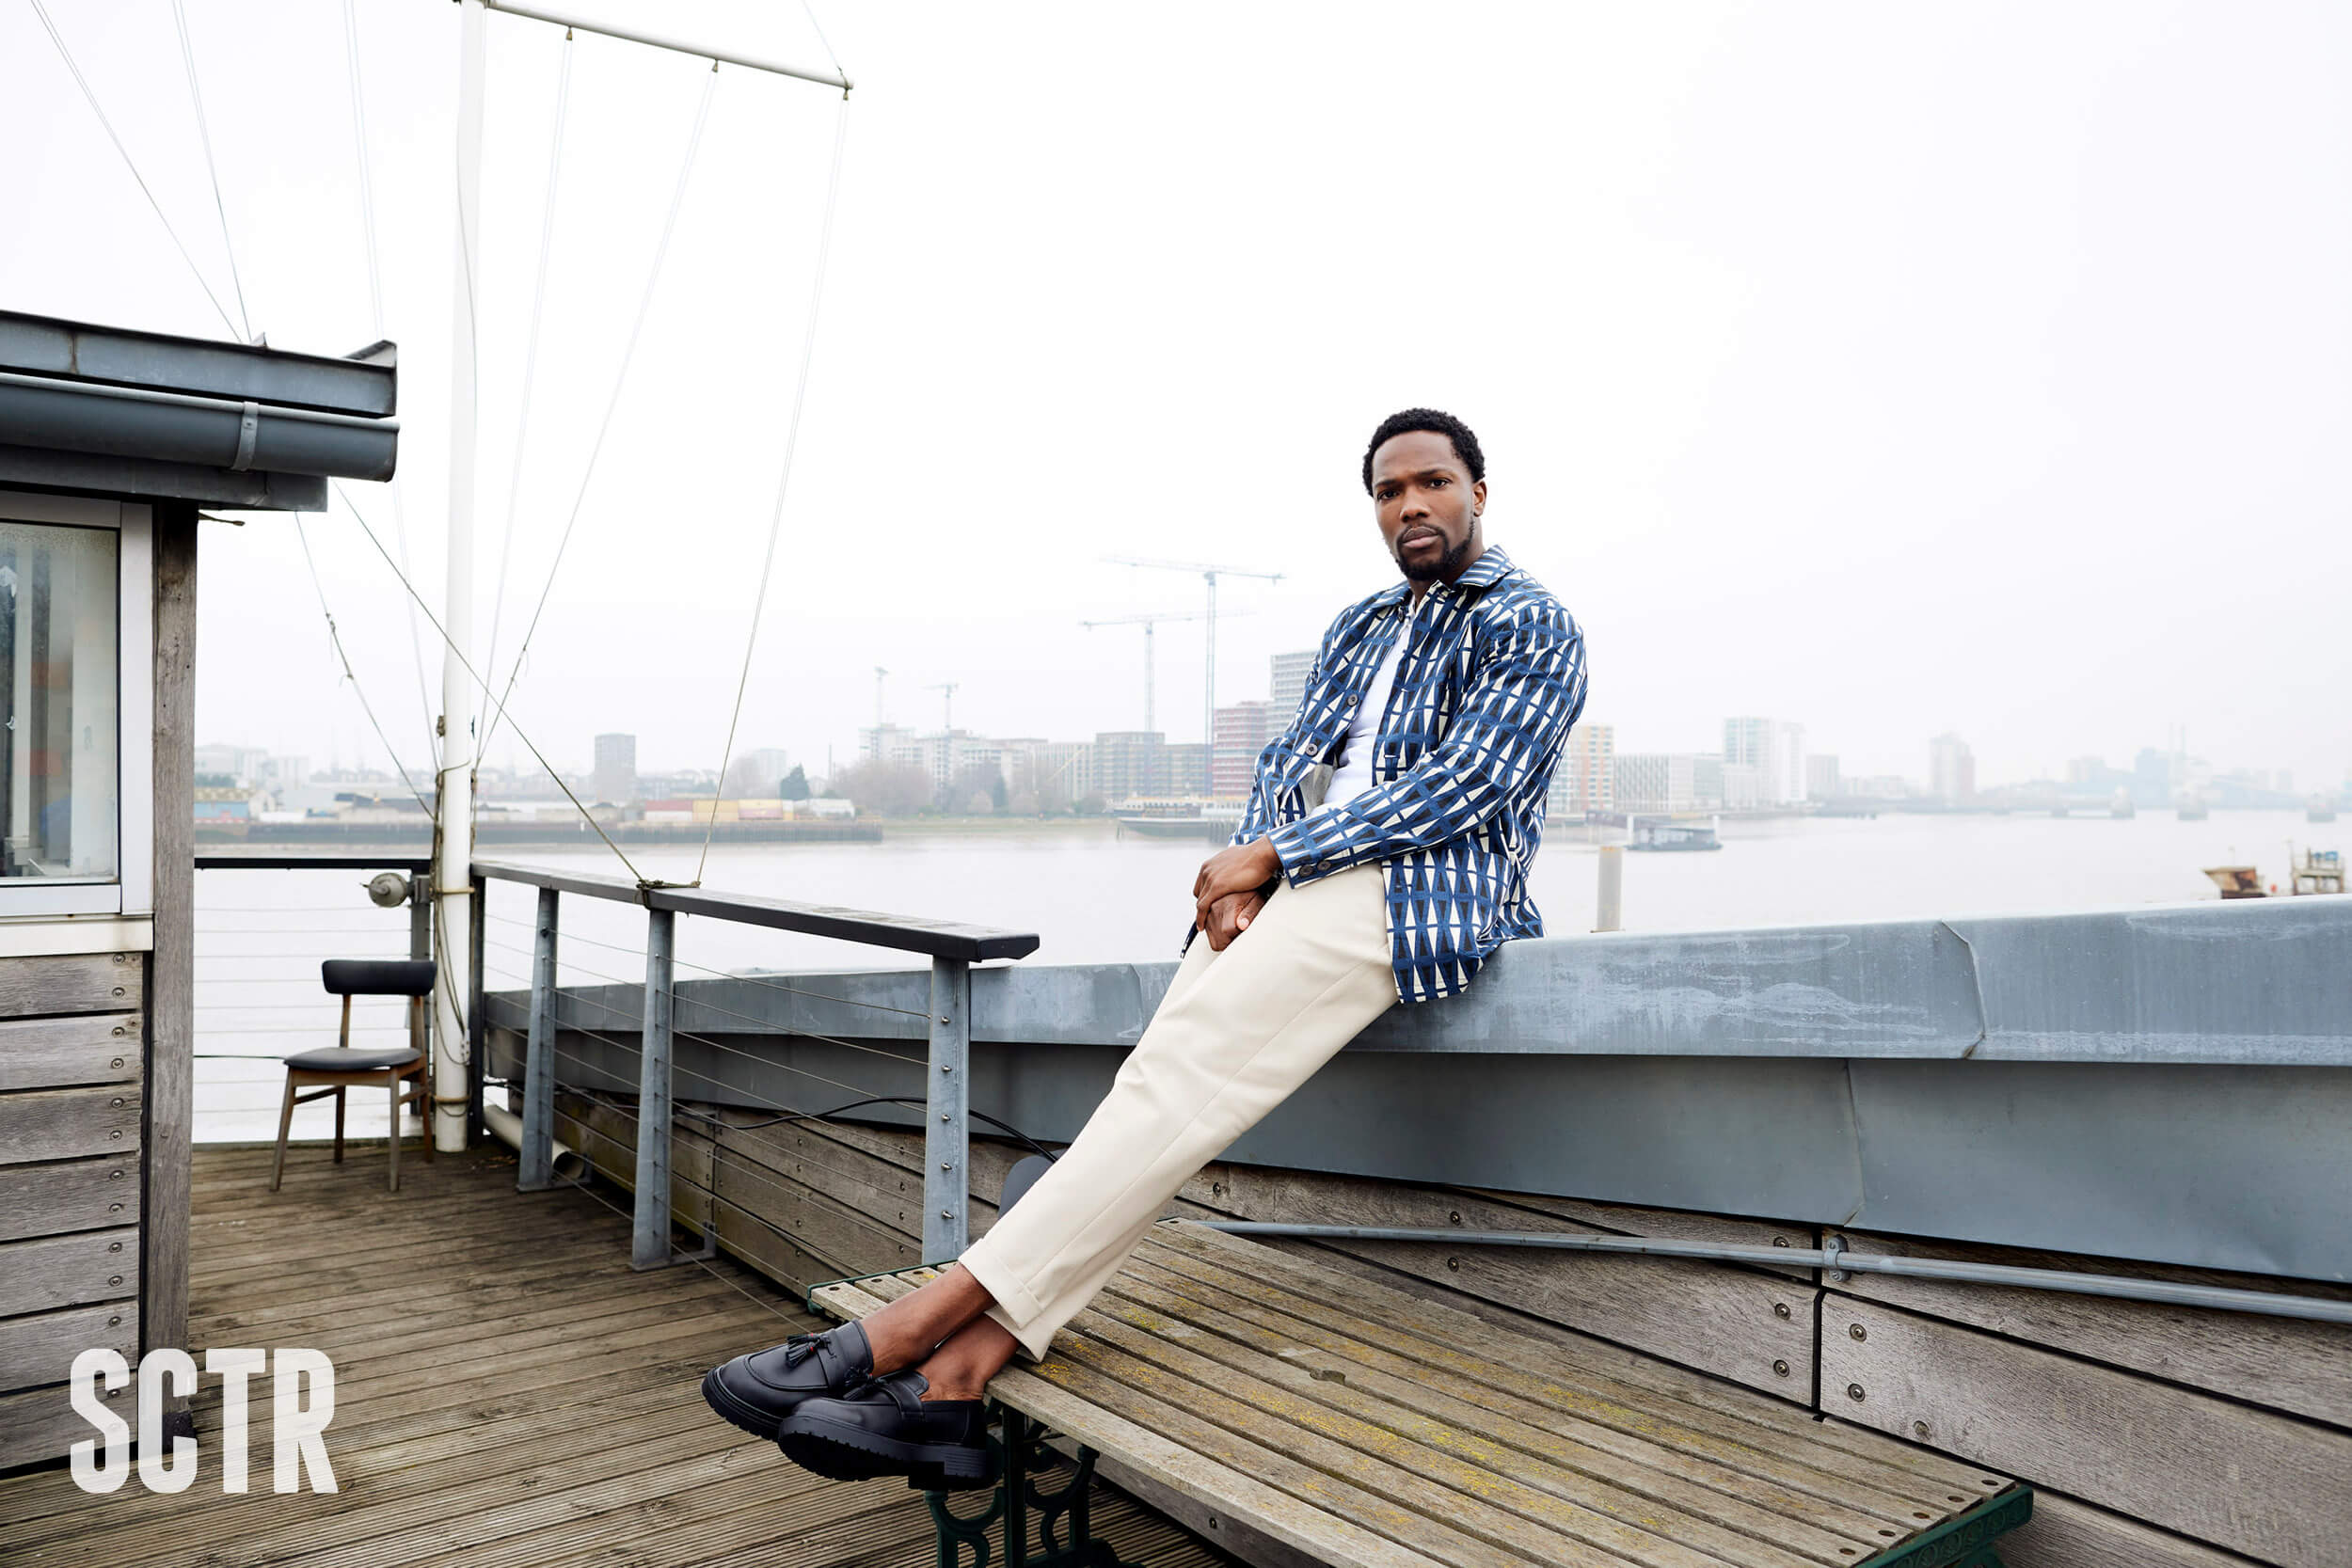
<point x="1209" y="574"/>
<point x="947" y="705"/>
<point x="1147" y="622"/>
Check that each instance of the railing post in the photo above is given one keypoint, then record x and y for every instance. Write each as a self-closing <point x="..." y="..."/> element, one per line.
<point x="649" y="1240"/>
<point x="534" y="1173"/>
<point x="946" y="1120"/>
<point x="477" y="1025"/>
<point x="1610" y="907"/>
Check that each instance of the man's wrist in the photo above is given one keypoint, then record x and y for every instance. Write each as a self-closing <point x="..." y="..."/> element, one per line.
<point x="1269" y="860"/>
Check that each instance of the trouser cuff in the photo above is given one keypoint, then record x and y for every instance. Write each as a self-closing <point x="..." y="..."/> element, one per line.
<point x="1016" y="1305"/>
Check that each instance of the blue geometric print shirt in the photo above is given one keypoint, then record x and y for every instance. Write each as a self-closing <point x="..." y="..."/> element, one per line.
<point x="1486" y="692"/>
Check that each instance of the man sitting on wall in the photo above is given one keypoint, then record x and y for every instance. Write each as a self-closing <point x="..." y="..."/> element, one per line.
<point x="1438" y="708"/>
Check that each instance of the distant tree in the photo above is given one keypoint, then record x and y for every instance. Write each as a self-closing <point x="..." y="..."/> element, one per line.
<point x="746" y="782"/>
<point x="975" y="790"/>
<point x="216" y="780"/>
<point x="795" y="785"/>
<point x="1093" y="805"/>
<point x="884" y="789"/>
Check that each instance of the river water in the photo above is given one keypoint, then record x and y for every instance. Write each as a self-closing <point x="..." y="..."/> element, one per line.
<point x="1095" y="896"/>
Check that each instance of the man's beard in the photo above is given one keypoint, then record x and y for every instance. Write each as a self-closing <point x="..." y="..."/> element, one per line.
<point x="1444" y="566"/>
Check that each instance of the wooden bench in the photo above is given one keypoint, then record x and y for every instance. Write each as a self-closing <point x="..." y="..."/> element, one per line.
<point x="1296" y="1415"/>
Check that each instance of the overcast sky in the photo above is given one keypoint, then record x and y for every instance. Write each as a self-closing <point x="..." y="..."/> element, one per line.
<point x="1889" y="368"/>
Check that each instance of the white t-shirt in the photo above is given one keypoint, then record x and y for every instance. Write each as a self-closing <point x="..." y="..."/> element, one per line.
<point x="1353" y="775"/>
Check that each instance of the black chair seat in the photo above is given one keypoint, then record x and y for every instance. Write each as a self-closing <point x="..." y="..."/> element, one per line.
<point x="378" y="977"/>
<point x="358" y="1058"/>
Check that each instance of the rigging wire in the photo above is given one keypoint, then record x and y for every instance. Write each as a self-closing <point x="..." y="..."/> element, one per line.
<point x="783" y="480"/>
<point x="79" y="80"/>
<point x="499" y="710"/>
<point x="530" y="353"/>
<point x="376" y="301"/>
<point x="819" y="27"/>
<point x="335" y="636"/>
<point x="619" y="382"/>
<point x="204" y="134"/>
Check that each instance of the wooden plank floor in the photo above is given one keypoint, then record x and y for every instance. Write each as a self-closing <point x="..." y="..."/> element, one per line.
<point x="508" y="1393"/>
<point x="1375" y="1429"/>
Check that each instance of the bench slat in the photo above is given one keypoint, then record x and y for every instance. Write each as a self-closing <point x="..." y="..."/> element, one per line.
<point x="1615" y="1416"/>
<point x="1367" y="1427"/>
<point x="1431" y="1320"/>
<point x="1236" y="1390"/>
<point x="1769" y="1525"/>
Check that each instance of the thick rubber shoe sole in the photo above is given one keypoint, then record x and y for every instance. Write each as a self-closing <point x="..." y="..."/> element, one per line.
<point x="757" y="1422"/>
<point x="839" y="1452"/>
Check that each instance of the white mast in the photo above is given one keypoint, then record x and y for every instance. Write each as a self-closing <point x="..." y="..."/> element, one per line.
<point x="452" y="870"/>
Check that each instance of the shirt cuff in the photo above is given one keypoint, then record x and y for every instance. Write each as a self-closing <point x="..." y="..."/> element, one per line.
<point x="1295" y="850"/>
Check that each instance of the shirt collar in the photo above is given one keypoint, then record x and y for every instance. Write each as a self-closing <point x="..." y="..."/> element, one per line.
<point x="1489" y="569"/>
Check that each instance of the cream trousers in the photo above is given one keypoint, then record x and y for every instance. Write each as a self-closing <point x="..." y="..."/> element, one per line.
<point x="1236" y="1033"/>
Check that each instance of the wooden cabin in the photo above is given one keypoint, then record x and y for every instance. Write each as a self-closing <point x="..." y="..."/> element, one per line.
<point x="110" y="443"/>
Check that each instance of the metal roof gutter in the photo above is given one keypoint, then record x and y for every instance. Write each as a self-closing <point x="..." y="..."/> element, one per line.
<point x="178" y="427"/>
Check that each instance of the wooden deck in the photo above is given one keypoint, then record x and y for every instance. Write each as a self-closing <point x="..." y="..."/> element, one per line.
<point x="507" y="1393"/>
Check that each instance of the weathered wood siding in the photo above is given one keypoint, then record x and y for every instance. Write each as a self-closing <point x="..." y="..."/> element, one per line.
<point x="72" y="1105"/>
<point x="2155" y="1436"/>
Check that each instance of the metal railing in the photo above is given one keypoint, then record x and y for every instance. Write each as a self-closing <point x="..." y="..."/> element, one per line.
<point x="953" y="949"/>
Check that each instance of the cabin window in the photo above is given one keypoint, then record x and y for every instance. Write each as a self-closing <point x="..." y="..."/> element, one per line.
<point x="77" y="705"/>
<point x="60" y="776"/>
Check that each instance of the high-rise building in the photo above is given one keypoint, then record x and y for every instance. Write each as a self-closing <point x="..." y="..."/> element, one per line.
<point x="1776" y="749"/>
<point x="1130" y="763"/>
<point x="1820" y="776"/>
<point x="887" y="743"/>
<point x="616" y="775"/>
<point x="1587" y="779"/>
<point x="1242" y="732"/>
<point x="1656" y="781"/>
<point x="1184" y="768"/>
<point x="1951" y="769"/>
<point x="1061" y="773"/>
<point x="1290" y="683"/>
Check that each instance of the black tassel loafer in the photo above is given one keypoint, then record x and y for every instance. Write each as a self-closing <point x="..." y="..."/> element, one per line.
<point x="757" y="1392"/>
<point x="883" y="1427"/>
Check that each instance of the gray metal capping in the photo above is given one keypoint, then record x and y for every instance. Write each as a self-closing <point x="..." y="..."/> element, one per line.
<point x="2169" y="1085"/>
<point x="364" y="384"/>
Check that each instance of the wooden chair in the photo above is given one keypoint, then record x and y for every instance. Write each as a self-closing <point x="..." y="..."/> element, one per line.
<point x="407" y="1073"/>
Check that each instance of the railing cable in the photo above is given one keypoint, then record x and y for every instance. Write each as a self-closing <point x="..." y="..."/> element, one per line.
<point x="620" y="383"/>
<point x="783" y="480"/>
<point x="204" y="134"/>
<point x="475" y="676"/>
<point x="92" y="97"/>
<point x="375" y="302"/>
<point x="531" y="351"/>
<point x="342" y="657"/>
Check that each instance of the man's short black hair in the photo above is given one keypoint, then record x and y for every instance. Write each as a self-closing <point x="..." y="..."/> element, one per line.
<point x="1438" y="423"/>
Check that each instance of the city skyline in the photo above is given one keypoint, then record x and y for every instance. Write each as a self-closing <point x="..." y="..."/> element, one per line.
<point x="1762" y="761"/>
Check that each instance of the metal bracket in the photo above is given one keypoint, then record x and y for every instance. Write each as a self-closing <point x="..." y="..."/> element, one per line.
<point x="248" y="433"/>
<point x="1832" y="1250"/>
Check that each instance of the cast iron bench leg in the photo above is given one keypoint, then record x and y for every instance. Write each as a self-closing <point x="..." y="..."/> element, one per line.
<point x="1065" y="1535"/>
